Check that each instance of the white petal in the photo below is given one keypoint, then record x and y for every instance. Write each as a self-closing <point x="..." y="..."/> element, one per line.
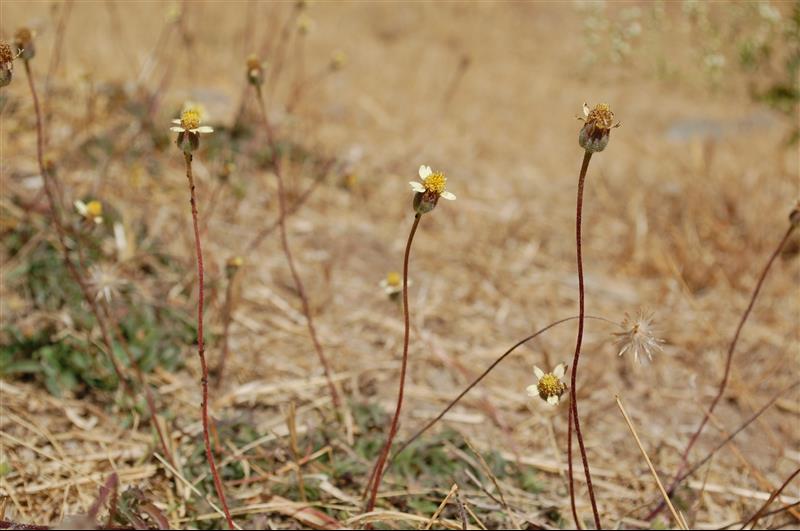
<point x="177" y="129"/>
<point x="424" y="172"/>
<point x="203" y="129"/>
<point x="98" y="220"/>
<point x="552" y="400"/>
<point x="448" y="195"/>
<point x="176" y="121"/>
<point x="538" y="372"/>
<point x="80" y="206"/>
<point x="532" y="390"/>
<point x="559" y="371"/>
<point x="585" y="109"/>
<point x="417" y="187"/>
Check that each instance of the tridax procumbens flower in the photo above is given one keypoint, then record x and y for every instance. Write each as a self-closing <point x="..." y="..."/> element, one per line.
<point x="638" y="337"/>
<point x="392" y="285"/>
<point x="596" y="130"/>
<point x="549" y="386"/>
<point x="91" y="211"/>
<point x="189" y="129"/>
<point x="431" y="187"/>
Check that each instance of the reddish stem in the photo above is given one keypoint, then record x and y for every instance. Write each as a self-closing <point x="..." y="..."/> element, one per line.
<point x="775" y="494"/>
<point x="227" y="316"/>
<point x="573" y="378"/>
<point x="200" y="345"/>
<point x="377" y="472"/>
<point x="728" y="362"/>
<point x="298" y="282"/>
<point x="52" y="197"/>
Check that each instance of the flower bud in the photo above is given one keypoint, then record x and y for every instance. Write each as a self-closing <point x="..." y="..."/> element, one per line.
<point x="232" y="266"/>
<point x="255" y="70"/>
<point x="794" y="216"/>
<point x="23" y="40"/>
<point x="424" y="202"/>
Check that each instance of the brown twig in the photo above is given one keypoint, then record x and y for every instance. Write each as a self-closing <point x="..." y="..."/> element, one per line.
<point x="573" y="378"/>
<point x="777" y="492"/>
<point x="728" y="363"/>
<point x="227" y="316"/>
<point x="377" y="472"/>
<point x="200" y="345"/>
<point x="301" y="292"/>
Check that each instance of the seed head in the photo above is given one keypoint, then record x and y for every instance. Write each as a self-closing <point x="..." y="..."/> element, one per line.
<point x="638" y="337"/>
<point x="596" y="130"/>
<point x="23" y="40"/>
<point x="105" y="281"/>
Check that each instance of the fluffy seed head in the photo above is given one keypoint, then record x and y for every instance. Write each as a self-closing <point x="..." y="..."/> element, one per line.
<point x="638" y="337"/>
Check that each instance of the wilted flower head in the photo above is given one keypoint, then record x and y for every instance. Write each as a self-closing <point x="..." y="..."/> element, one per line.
<point x="105" y="281"/>
<point x="255" y="70"/>
<point x="6" y="63"/>
<point x="431" y="187"/>
<point x="596" y="130"/>
<point x="549" y="386"/>
<point x="23" y="40"/>
<point x="189" y="129"/>
<point x="91" y="211"/>
<point x="638" y="337"/>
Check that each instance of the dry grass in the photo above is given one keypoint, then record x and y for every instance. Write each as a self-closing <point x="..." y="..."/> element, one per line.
<point x="682" y="226"/>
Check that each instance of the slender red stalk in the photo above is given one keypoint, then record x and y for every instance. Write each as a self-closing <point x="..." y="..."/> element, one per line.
<point x="50" y="184"/>
<point x="226" y="327"/>
<point x="728" y="362"/>
<point x="377" y="472"/>
<point x="298" y="282"/>
<point x="573" y="378"/>
<point x="777" y="492"/>
<point x="200" y="345"/>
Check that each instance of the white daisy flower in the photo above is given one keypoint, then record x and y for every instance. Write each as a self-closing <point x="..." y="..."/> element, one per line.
<point x="433" y="183"/>
<point x="189" y="122"/>
<point x="549" y="386"/>
<point x="91" y="211"/>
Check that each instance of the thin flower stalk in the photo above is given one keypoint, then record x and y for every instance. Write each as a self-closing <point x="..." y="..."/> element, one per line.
<point x="377" y="472"/>
<point x="729" y="359"/>
<point x="50" y="187"/>
<point x="187" y="155"/>
<point x="574" y="374"/>
<point x="298" y="282"/>
<point x="231" y="270"/>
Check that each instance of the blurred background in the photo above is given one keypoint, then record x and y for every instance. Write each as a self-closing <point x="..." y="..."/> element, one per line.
<point x="682" y="211"/>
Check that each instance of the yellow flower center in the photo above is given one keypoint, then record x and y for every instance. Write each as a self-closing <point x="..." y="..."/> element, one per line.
<point x="393" y="279"/>
<point x="549" y="385"/>
<point x="190" y="119"/>
<point x="436" y="182"/>
<point x="94" y="209"/>
<point x="601" y="116"/>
